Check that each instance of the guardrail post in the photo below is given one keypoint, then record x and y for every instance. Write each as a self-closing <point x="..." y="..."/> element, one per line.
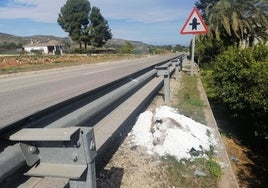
<point x="164" y="71"/>
<point x="67" y="153"/>
<point x="176" y="63"/>
<point x="181" y="60"/>
<point x="11" y="159"/>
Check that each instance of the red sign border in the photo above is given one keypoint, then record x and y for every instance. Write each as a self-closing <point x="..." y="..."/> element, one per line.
<point x="195" y="10"/>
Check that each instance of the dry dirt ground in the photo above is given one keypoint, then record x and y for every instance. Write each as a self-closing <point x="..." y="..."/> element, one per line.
<point x="23" y="63"/>
<point x="241" y="163"/>
<point x="22" y="60"/>
<point x="132" y="167"/>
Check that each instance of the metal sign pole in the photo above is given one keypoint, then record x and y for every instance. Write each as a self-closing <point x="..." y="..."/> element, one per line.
<point x="192" y="59"/>
<point x="194" y="25"/>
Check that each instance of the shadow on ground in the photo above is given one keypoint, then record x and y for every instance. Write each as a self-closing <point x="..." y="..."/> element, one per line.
<point x="248" y="155"/>
<point x="116" y="174"/>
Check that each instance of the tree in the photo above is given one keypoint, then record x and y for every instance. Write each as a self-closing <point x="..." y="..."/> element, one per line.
<point x="205" y="6"/>
<point x="240" y="80"/>
<point x="85" y="36"/>
<point x="180" y="48"/>
<point x="258" y="18"/>
<point x="234" y="21"/>
<point x="127" y="48"/>
<point x="99" y="28"/>
<point x="74" y="19"/>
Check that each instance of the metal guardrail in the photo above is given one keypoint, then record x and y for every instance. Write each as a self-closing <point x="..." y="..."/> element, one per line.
<point x="63" y="148"/>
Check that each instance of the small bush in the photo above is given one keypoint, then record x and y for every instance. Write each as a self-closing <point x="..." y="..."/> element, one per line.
<point x="240" y="80"/>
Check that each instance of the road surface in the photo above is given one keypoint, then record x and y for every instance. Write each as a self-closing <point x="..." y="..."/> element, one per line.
<point x="28" y="93"/>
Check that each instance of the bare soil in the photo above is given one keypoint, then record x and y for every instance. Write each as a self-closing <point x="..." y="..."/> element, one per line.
<point x="22" y="60"/>
<point x="240" y="161"/>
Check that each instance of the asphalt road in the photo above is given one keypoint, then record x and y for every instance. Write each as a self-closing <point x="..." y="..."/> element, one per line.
<point x="25" y="94"/>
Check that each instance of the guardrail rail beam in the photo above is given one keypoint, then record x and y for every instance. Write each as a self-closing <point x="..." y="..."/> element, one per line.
<point x="67" y="153"/>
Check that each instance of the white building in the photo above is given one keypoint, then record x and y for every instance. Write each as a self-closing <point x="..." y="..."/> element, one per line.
<point x="51" y="47"/>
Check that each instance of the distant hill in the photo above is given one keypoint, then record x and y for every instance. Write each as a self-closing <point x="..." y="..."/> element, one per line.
<point x="4" y="37"/>
<point x="138" y="46"/>
<point x="45" y="38"/>
<point x="12" y="39"/>
<point x="120" y="42"/>
<point x="113" y="43"/>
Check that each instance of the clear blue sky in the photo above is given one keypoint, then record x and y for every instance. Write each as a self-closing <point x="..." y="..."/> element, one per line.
<point x="151" y="21"/>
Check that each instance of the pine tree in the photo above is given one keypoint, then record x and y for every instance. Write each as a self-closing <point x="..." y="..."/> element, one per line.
<point x="99" y="28"/>
<point x="74" y="18"/>
<point x="83" y="24"/>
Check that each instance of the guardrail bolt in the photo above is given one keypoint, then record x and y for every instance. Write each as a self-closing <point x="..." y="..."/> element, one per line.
<point x="32" y="149"/>
<point x="75" y="157"/>
<point x="92" y="145"/>
<point x="78" y="144"/>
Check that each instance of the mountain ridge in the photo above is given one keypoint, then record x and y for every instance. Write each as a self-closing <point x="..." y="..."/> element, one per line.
<point x="9" y="38"/>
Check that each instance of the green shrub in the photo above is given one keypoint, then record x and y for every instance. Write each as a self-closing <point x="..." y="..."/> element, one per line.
<point x="37" y="52"/>
<point x="80" y="51"/>
<point x="241" y="79"/>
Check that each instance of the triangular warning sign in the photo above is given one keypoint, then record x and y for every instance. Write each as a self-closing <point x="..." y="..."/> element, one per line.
<point x="194" y="24"/>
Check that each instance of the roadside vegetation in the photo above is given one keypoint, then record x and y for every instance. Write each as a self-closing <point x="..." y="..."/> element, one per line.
<point x="183" y="173"/>
<point x="234" y="68"/>
<point x="233" y="58"/>
<point x="189" y="101"/>
<point x="84" y="24"/>
<point x="6" y="47"/>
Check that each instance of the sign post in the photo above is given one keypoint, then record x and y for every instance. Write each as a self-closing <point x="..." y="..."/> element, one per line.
<point x="194" y="25"/>
<point x="192" y="58"/>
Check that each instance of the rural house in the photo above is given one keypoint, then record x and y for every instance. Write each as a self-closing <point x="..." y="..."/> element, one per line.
<point x="51" y="47"/>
